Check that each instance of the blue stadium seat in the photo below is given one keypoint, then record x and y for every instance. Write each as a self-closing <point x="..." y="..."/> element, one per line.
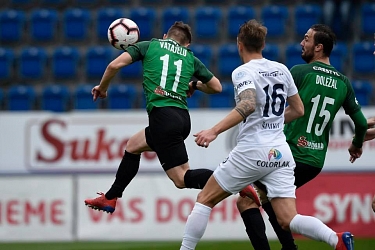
<point x="225" y="99"/>
<point x="55" y="98"/>
<point x="11" y="25"/>
<point x="306" y="15"/>
<point x="97" y="60"/>
<point x="173" y="14"/>
<point x="76" y="24"/>
<point x="54" y="3"/>
<point x="145" y="18"/>
<point x="83" y="98"/>
<point x="22" y="4"/>
<point x="87" y="3"/>
<point x="21" y="98"/>
<point x="65" y="62"/>
<point x="367" y="15"/>
<point x="229" y="59"/>
<point x="338" y="56"/>
<point x="237" y="15"/>
<point x="104" y="18"/>
<point x="121" y="96"/>
<point x="363" y="91"/>
<point x="271" y="52"/>
<point x="203" y="53"/>
<point x="43" y="24"/>
<point x="6" y="63"/>
<point x="208" y="22"/>
<point x="196" y="100"/>
<point x="133" y="70"/>
<point x="32" y="63"/>
<point x="119" y="2"/>
<point x="363" y="58"/>
<point x="275" y="18"/>
<point x="293" y="55"/>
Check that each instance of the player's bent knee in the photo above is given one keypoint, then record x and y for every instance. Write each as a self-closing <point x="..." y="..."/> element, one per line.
<point x="245" y="203"/>
<point x="284" y="224"/>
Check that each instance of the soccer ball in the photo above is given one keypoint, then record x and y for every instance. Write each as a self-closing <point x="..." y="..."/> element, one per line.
<point x="123" y="32"/>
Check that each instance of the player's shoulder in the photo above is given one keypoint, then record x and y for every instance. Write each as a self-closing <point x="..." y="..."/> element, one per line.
<point x="241" y="72"/>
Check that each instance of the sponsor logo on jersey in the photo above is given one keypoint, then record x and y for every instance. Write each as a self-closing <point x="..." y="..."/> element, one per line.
<point x="325" y="70"/>
<point x="274" y="154"/>
<point x="271" y="74"/>
<point x="272" y="125"/>
<point x="239" y="75"/>
<point x="244" y="83"/>
<point x="302" y="142"/>
<point x="272" y="164"/>
<point x="160" y="91"/>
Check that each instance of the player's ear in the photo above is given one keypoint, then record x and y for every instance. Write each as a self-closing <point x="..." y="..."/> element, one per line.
<point x="164" y="36"/>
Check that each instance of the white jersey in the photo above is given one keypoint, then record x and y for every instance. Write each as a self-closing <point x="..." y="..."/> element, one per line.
<point x="273" y="84"/>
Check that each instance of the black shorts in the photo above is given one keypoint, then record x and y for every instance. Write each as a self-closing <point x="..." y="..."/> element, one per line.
<point x="168" y="128"/>
<point x="303" y="173"/>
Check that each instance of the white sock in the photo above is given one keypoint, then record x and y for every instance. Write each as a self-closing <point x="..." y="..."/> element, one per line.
<point x="313" y="228"/>
<point x="195" y="226"/>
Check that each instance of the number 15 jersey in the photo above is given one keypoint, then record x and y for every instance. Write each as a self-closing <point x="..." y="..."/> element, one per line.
<point x="273" y="84"/>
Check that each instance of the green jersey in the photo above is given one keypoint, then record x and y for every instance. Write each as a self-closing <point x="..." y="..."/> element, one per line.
<point x="323" y="91"/>
<point x="167" y="71"/>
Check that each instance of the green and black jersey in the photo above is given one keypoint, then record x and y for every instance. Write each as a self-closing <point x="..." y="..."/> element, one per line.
<point x="167" y="71"/>
<point x="323" y="91"/>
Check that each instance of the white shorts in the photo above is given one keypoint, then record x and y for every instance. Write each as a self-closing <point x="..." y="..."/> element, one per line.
<point x="273" y="166"/>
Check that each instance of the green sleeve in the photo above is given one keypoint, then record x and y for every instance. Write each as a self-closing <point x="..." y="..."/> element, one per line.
<point x="201" y="72"/>
<point x="138" y="51"/>
<point x="350" y="104"/>
<point x="360" y="124"/>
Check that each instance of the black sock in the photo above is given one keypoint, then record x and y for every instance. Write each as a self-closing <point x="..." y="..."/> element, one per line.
<point x="197" y="178"/>
<point x="285" y="237"/>
<point x="125" y="173"/>
<point x="255" y="228"/>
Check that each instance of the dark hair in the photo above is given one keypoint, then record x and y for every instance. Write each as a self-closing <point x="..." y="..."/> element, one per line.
<point x="325" y="36"/>
<point x="252" y="35"/>
<point x="181" y="32"/>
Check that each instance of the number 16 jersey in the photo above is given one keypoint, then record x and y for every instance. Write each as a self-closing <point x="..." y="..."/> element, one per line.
<point x="273" y="84"/>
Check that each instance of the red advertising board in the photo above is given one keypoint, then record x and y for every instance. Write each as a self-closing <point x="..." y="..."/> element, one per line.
<point x="341" y="200"/>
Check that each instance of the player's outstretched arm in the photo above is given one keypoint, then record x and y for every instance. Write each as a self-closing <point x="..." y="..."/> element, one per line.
<point x="294" y="110"/>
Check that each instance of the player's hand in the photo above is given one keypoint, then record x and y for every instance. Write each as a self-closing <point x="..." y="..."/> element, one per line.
<point x="98" y="92"/>
<point x="371" y="122"/>
<point x="204" y="137"/>
<point x="190" y="92"/>
<point x="354" y="152"/>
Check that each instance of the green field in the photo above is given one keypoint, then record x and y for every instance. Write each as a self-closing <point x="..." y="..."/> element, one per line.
<point x="360" y="244"/>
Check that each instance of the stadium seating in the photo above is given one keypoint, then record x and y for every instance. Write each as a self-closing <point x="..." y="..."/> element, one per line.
<point x="65" y="62"/>
<point x="82" y="99"/>
<point x="367" y="14"/>
<point x="131" y="71"/>
<point x="237" y="15"/>
<point x="55" y="98"/>
<point x="306" y="15"/>
<point x="229" y="60"/>
<point x="22" y="4"/>
<point x="173" y="14"/>
<point x="293" y="55"/>
<point x="97" y="59"/>
<point x="363" y="58"/>
<point x="225" y="99"/>
<point x="105" y="16"/>
<point x="21" y="98"/>
<point x="121" y="96"/>
<point x="203" y="53"/>
<point x="1" y="98"/>
<point x="43" y="24"/>
<point x="338" y="56"/>
<point x="32" y="63"/>
<point x="54" y="3"/>
<point x="6" y="63"/>
<point x="207" y="22"/>
<point x="76" y="24"/>
<point x="12" y="24"/>
<point x="196" y="100"/>
<point x="275" y="19"/>
<point x="363" y="91"/>
<point x="145" y="18"/>
<point x="271" y="52"/>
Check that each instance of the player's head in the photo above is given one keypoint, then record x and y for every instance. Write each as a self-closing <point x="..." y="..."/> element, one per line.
<point x="251" y="37"/>
<point x="318" y="42"/>
<point x="181" y="32"/>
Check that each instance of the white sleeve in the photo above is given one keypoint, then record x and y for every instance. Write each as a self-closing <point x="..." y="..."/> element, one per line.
<point x="242" y="79"/>
<point x="292" y="89"/>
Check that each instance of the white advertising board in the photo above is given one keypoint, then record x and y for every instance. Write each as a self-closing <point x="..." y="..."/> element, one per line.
<point x="81" y="142"/>
<point x="36" y="208"/>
